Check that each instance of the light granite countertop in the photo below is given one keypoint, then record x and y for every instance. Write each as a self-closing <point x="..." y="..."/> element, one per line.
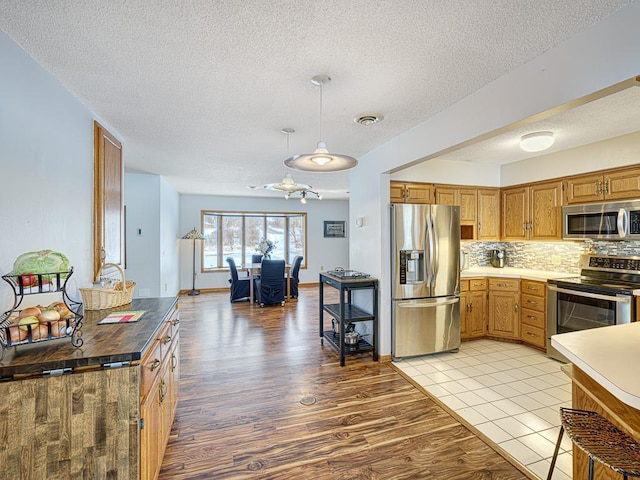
<point x="609" y="355"/>
<point x="511" y="272"/>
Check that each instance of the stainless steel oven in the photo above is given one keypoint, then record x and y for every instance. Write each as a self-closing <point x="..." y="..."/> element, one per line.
<point x="603" y="295"/>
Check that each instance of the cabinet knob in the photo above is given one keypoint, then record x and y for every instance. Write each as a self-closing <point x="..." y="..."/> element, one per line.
<point x="155" y="364"/>
<point x="167" y="339"/>
<point x="531" y="334"/>
<point x="515" y="308"/>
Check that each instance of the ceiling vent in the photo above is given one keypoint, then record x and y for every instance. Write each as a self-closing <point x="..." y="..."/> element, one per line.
<point x="367" y="119"/>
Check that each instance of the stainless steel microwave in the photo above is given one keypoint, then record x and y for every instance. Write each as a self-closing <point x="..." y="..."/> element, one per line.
<point x="602" y="221"/>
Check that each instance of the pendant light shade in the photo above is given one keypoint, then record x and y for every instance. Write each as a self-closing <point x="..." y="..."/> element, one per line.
<point x="321" y="160"/>
<point x="287" y="185"/>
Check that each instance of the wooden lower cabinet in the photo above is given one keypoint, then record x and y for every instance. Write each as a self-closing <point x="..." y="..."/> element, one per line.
<point x="96" y="422"/>
<point x="159" y="397"/>
<point x="504" y="308"/>
<point x="533" y="314"/>
<point x="473" y="308"/>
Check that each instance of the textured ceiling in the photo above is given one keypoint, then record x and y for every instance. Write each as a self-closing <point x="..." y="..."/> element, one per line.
<point x="199" y="90"/>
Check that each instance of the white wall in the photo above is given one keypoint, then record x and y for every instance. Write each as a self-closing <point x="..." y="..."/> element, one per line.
<point x="458" y="173"/>
<point x="605" y="54"/>
<point x="615" y="152"/>
<point x="322" y="253"/>
<point x="152" y="256"/>
<point x="169" y="235"/>
<point x="46" y="165"/>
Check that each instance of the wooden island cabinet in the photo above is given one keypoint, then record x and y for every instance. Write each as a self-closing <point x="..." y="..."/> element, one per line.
<point x="103" y="410"/>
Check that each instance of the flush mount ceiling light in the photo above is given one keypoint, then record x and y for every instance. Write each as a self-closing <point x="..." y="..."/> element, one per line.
<point x="321" y="160"/>
<point x="537" y="141"/>
<point x="367" y="119"/>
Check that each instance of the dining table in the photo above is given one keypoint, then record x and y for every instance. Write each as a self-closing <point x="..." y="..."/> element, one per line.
<point x="254" y="269"/>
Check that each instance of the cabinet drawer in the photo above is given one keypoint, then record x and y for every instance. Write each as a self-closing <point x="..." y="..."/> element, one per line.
<point x="149" y="368"/>
<point x="504" y="284"/>
<point x="533" y="318"/>
<point x="533" y="335"/>
<point x="534" y="303"/>
<point x="464" y="285"/>
<point x="534" y="288"/>
<point x="477" y="284"/>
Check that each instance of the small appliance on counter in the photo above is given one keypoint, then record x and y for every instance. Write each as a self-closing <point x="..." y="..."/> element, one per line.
<point x="497" y="258"/>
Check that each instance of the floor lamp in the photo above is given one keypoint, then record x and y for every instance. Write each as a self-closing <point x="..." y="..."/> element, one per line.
<point x="194" y="235"/>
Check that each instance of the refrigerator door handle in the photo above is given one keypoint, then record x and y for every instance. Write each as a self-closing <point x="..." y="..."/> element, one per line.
<point x="428" y="303"/>
<point x="429" y="260"/>
<point x="435" y="251"/>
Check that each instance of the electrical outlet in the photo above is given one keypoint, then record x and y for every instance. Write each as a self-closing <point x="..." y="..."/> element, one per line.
<point x="322" y="268"/>
<point x="556" y="259"/>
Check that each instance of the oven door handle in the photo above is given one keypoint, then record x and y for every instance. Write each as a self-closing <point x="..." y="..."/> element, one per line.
<point x="622" y="299"/>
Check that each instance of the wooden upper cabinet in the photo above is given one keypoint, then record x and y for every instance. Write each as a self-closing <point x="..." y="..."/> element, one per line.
<point x="515" y="213"/>
<point x="403" y="192"/>
<point x="488" y="214"/>
<point x="396" y="194"/>
<point x="584" y="189"/>
<point x="468" y="205"/>
<point x="618" y="184"/>
<point x="532" y="212"/>
<point x="545" y="211"/>
<point x="108" y="206"/>
<point x="446" y="195"/>
<point x="622" y="184"/>
<point x="418" y="192"/>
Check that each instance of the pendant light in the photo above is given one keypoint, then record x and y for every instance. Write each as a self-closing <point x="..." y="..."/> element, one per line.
<point x="287" y="184"/>
<point x="321" y="160"/>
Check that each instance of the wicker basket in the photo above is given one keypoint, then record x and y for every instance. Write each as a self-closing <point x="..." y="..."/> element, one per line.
<point x="101" y="298"/>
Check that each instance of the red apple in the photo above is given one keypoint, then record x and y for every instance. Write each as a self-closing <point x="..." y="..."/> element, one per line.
<point x="28" y="280"/>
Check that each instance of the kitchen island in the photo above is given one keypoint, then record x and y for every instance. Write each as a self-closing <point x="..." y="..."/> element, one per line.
<point x="604" y="380"/>
<point x="102" y="410"/>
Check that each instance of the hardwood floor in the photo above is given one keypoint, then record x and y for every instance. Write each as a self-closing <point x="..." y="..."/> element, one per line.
<point x="244" y="371"/>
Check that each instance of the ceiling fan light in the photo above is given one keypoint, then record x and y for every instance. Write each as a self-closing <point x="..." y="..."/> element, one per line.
<point x="537" y="141"/>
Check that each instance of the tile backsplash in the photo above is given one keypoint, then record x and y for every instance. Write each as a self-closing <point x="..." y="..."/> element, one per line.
<point x="555" y="256"/>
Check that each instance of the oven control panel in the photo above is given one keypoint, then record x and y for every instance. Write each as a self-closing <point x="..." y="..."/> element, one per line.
<point x="615" y="263"/>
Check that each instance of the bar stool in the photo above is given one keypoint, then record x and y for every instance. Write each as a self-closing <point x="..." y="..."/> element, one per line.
<point x="601" y="441"/>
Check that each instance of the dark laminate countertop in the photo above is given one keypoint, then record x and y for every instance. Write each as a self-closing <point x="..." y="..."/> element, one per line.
<point x="124" y="342"/>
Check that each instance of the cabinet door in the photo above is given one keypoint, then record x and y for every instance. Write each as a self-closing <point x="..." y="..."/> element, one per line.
<point x="445" y="195"/>
<point x="465" y="302"/>
<point x="504" y="316"/>
<point x="515" y="213"/>
<point x="488" y="214"/>
<point x="396" y="194"/>
<point x="419" y="192"/>
<point x="108" y="207"/>
<point x="622" y="185"/>
<point x="151" y="438"/>
<point x="468" y="198"/>
<point x="477" y="318"/>
<point x="545" y="211"/>
<point x="584" y="189"/>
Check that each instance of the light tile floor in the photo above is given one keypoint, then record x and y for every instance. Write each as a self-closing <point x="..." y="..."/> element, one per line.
<point x="509" y="392"/>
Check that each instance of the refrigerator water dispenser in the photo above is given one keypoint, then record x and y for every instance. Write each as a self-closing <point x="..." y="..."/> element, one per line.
<point x="411" y="262"/>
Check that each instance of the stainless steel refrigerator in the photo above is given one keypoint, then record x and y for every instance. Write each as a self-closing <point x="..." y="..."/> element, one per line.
<point x="425" y="266"/>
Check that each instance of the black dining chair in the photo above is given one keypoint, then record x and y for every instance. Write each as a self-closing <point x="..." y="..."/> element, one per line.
<point x="294" y="281"/>
<point x="240" y="287"/>
<point x="256" y="258"/>
<point x="271" y="286"/>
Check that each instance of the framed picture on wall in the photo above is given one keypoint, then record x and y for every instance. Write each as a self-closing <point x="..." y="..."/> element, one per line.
<point x="335" y="229"/>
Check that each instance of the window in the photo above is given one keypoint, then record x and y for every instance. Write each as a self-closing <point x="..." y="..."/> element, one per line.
<point x="236" y="235"/>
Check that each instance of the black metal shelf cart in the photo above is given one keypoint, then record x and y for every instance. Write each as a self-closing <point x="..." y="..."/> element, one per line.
<point x="344" y="312"/>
